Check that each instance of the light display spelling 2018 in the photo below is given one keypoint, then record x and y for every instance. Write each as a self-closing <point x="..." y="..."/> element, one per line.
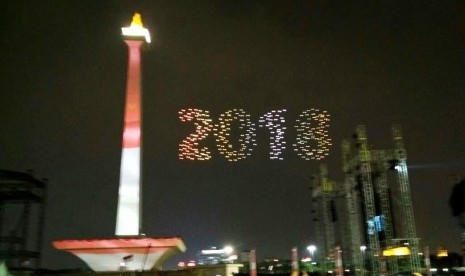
<point x="312" y="139"/>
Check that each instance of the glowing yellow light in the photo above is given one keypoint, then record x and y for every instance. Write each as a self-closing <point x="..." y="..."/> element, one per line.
<point x="136" y="29"/>
<point x="442" y="253"/>
<point x="137" y="20"/>
<point x="397" y="251"/>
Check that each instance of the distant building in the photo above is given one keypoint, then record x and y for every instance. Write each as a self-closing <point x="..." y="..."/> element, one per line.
<point x="204" y="270"/>
<point x="441" y="262"/>
<point x="214" y="256"/>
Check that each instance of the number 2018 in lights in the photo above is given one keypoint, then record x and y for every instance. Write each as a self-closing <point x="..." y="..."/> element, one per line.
<point x="312" y="139"/>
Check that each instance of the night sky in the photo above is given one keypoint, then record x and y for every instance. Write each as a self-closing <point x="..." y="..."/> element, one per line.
<point x="378" y="63"/>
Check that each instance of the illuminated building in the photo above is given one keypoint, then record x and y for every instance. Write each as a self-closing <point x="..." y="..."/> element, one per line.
<point x="206" y="270"/>
<point x="215" y="256"/>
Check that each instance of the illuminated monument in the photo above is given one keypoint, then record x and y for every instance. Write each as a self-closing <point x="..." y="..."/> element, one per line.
<point x="128" y="219"/>
<point x="131" y="250"/>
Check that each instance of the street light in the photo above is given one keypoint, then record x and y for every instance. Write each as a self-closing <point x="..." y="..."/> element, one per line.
<point x="311" y="249"/>
<point x="228" y="250"/>
<point x="362" y="249"/>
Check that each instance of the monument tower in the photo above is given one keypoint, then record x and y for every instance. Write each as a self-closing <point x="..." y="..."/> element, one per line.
<point x="131" y="250"/>
<point x="128" y="218"/>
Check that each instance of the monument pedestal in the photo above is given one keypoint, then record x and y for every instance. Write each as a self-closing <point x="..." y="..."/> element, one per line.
<point x="126" y="253"/>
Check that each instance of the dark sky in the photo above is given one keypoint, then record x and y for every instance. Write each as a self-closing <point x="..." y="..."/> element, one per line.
<point x="378" y="63"/>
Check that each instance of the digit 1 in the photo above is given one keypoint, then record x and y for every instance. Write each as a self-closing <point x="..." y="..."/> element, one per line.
<point x="274" y="121"/>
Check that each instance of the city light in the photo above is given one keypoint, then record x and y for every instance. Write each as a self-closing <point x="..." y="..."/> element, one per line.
<point x="228" y="249"/>
<point x="442" y="253"/>
<point x="311" y="249"/>
<point x="306" y="259"/>
<point x="397" y="251"/>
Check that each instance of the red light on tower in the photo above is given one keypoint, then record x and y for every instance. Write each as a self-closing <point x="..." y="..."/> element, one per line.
<point x="128" y="219"/>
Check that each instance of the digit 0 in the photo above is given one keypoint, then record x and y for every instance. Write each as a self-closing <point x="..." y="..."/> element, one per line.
<point x="246" y="139"/>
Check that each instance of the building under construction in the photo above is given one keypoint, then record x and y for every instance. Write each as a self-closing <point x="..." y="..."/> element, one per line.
<point x="356" y="214"/>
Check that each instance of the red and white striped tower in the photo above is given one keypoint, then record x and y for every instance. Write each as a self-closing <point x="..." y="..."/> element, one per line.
<point x="144" y="253"/>
<point x="252" y="263"/>
<point x="294" y="262"/>
<point x="128" y="218"/>
<point x="339" y="268"/>
<point x="427" y="262"/>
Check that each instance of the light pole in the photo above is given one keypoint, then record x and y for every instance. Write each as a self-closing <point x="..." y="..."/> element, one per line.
<point x="362" y="250"/>
<point x="228" y="249"/>
<point x="311" y="249"/>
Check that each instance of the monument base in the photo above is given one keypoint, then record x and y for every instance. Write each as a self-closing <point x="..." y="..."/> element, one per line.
<point x="123" y="254"/>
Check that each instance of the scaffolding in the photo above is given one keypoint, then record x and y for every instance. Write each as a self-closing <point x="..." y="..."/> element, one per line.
<point x="322" y="196"/>
<point x="356" y="251"/>
<point x="367" y="195"/>
<point x="364" y="157"/>
<point x="400" y="166"/>
<point x="22" y="202"/>
<point x="380" y="168"/>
